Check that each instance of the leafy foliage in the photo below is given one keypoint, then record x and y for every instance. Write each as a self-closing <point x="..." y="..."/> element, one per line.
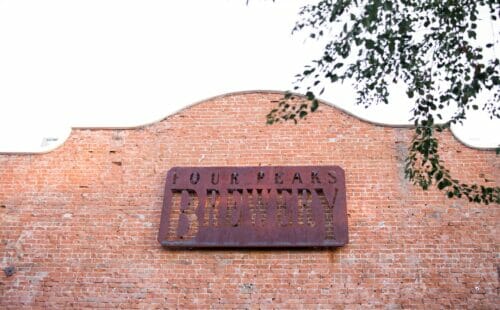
<point x="430" y="45"/>
<point x="424" y="168"/>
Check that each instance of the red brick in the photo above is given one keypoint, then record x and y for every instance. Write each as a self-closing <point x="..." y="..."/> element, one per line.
<point x="80" y="223"/>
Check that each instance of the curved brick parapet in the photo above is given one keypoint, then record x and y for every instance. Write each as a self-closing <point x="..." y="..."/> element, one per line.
<point x="79" y="225"/>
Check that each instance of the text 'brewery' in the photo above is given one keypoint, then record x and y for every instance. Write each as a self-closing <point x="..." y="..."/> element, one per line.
<point x="254" y="207"/>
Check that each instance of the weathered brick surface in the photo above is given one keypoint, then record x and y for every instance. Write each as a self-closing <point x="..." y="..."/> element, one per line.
<point x="79" y="224"/>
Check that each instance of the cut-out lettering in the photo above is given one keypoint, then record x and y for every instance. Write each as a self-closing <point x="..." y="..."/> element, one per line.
<point x="194" y="178"/>
<point x="278" y="178"/>
<point x="215" y="178"/>
<point x="254" y="207"/>
<point x="315" y="177"/>
<point x="234" y="178"/>
<point x="260" y="176"/>
<point x="332" y="176"/>
<point x="297" y="177"/>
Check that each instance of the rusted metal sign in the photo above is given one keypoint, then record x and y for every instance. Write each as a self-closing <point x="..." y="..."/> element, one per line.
<point x="254" y="207"/>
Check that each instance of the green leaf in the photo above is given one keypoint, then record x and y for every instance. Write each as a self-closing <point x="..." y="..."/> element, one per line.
<point x="387" y="47"/>
<point x="314" y="105"/>
<point x="309" y="71"/>
<point x="310" y="96"/>
<point x="444" y="183"/>
<point x="439" y="175"/>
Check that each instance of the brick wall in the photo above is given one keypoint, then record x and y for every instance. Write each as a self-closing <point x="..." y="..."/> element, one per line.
<point x="79" y="224"/>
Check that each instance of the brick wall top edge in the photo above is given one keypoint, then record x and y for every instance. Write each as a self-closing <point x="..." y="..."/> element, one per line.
<point x="63" y="139"/>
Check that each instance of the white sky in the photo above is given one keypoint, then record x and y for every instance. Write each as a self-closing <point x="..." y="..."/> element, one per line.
<point x="126" y="63"/>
